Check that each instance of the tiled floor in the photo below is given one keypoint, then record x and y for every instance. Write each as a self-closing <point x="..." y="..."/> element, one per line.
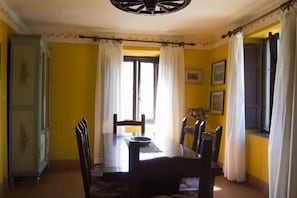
<point x="68" y="184"/>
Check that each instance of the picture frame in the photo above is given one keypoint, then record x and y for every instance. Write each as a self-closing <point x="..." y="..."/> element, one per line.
<point x="217" y="102"/>
<point x="193" y="76"/>
<point x="218" y="72"/>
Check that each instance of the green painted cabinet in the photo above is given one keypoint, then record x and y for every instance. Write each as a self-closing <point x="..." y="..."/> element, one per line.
<point x="28" y="113"/>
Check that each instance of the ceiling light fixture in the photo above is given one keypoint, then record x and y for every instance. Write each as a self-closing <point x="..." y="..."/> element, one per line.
<point x="150" y="7"/>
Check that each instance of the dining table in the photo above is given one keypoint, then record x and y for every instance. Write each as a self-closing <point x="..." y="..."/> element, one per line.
<point x="116" y="152"/>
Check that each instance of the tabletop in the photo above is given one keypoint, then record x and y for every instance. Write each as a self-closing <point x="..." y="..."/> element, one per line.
<point x="116" y="151"/>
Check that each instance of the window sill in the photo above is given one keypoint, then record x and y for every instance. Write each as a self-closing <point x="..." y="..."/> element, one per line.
<point x="260" y="134"/>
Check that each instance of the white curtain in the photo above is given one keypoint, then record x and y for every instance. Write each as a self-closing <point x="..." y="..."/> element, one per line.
<point x="170" y="92"/>
<point x="234" y="162"/>
<point x="108" y="92"/>
<point x="283" y="130"/>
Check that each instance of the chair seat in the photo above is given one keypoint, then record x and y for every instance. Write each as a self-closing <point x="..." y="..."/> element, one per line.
<point x="191" y="183"/>
<point x="187" y="152"/>
<point x="97" y="171"/>
<point x="189" y="186"/>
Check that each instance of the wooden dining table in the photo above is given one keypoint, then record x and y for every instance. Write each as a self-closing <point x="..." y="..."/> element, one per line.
<point x="116" y="153"/>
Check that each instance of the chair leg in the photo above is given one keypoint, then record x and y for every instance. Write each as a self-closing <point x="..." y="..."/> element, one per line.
<point x="142" y="124"/>
<point x="212" y="183"/>
<point x="115" y="118"/>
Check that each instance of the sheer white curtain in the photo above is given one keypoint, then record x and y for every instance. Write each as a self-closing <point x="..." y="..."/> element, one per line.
<point x="108" y="91"/>
<point x="171" y="91"/>
<point x="234" y="162"/>
<point x="283" y="130"/>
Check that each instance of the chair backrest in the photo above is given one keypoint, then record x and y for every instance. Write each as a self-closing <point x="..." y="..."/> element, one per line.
<point x="117" y="123"/>
<point x="201" y="129"/>
<point x="162" y="176"/>
<point x="215" y="138"/>
<point x="83" y="125"/>
<point x="188" y="130"/>
<point x="83" y="160"/>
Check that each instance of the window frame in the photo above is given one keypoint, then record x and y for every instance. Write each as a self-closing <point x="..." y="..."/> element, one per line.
<point x="267" y="85"/>
<point x="136" y="78"/>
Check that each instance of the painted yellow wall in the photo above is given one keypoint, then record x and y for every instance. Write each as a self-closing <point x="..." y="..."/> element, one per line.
<point x="257" y="156"/>
<point x="141" y="51"/>
<point x="195" y="93"/>
<point x="72" y="85"/>
<point x="72" y="88"/>
<point x="5" y="31"/>
<point x="218" y="54"/>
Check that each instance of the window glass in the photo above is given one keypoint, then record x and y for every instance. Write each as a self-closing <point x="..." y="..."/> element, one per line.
<point x="128" y="89"/>
<point x="146" y="90"/>
<point x="140" y="79"/>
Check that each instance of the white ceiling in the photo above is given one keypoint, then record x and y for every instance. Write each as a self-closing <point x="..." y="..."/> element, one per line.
<point x="201" y="20"/>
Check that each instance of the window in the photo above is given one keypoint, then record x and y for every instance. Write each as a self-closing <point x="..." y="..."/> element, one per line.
<point x="140" y="84"/>
<point x="260" y="65"/>
<point x="253" y="85"/>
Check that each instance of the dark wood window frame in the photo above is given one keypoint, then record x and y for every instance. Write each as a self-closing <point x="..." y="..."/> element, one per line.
<point x="136" y="80"/>
<point x="255" y="85"/>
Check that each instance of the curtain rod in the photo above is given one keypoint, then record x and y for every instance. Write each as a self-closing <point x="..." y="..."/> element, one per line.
<point x="96" y="38"/>
<point x="283" y="6"/>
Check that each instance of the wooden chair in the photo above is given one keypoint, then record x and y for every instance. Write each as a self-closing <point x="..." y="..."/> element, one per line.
<point x="187" y="130"/>
<point x="161" y="176"/>
<point x="190" y="185"/>
<point x="117" y="123"/>
<point x="201" y="129"/>
<point x="215" y="138"/>
<point x="95" y="170"/>
<point x="98" y="188"/>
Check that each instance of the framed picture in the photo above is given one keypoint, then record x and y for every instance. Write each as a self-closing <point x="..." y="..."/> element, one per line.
<point x="217" y="102"/>
<point x="218" y="72"/>
<point x="193" y="76"/>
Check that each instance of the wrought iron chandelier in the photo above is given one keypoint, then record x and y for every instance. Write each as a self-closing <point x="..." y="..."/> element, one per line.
<point x="150" y="7"/>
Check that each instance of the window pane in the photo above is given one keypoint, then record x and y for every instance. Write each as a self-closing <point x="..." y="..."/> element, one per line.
<point x="146" y="90"/>
<point x="266" y="94"/>
<point x="128" y="90"/>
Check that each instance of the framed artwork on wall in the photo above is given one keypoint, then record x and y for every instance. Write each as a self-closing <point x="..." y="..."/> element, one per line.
<point x="218" y="72"/>
<point x="217" y="102"/>
<point x="193" y="76"/>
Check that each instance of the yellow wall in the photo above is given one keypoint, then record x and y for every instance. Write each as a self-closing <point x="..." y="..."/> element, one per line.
<point x="257" y="156"/>
<point x="195" y="93"/>
<point x="218" y="54"/>
<point x="5" y="31"/>
<point x="72" y="88"/>
<point x="72" y="94"/>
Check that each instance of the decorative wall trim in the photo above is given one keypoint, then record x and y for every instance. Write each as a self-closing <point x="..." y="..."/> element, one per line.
<point x="9" y="17"/>
<point x="263" y="22"/>
<point x="64" y="36"/>
<point x="72" y="37"/>
<point x="200" y="44"/>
